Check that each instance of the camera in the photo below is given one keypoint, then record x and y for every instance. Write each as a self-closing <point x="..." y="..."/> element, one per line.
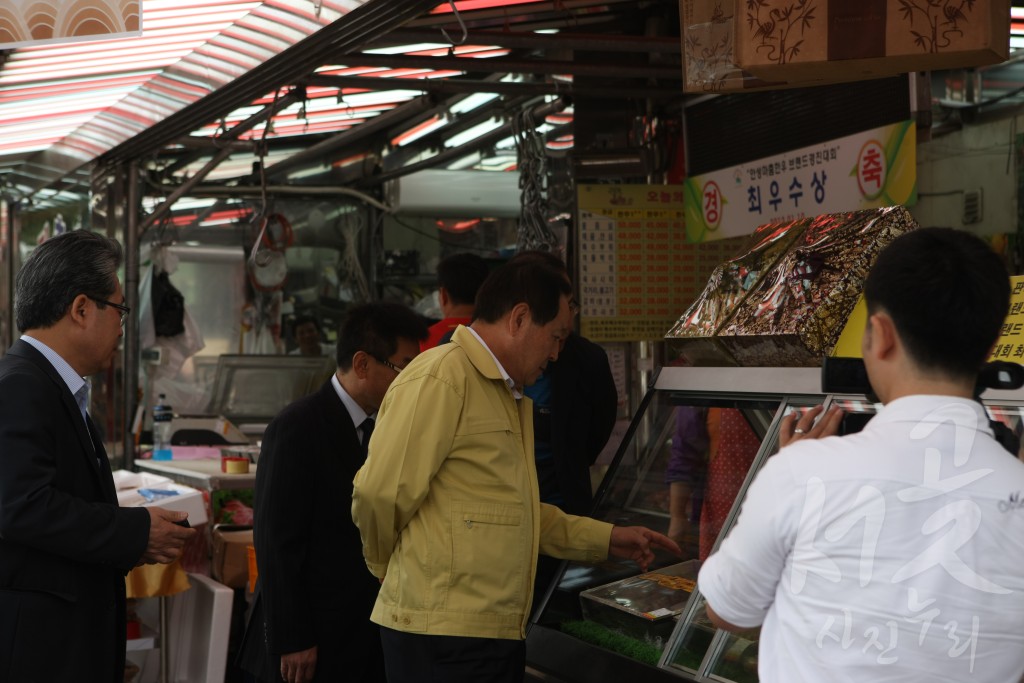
<point x="849" y="376"/>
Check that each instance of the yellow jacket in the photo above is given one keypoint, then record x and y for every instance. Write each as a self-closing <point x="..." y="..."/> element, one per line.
<point x="447" y="502"/>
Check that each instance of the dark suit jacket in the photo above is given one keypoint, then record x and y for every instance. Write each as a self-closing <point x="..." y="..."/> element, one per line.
<point x="65" y="545"/>
<point x="583" y="407"/>
<point x="314" y="587"/>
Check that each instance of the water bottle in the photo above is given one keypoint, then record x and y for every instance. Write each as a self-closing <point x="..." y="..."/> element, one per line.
<point x="162" y="416"/>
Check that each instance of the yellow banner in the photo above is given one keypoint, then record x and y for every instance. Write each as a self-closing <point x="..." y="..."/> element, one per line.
<point x="1010" y="345"/>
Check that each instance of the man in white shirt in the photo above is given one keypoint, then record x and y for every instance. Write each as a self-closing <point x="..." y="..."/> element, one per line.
<point x="895" y="553"/>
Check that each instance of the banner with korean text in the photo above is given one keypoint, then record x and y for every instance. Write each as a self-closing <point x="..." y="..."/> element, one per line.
<point x="862" y="171"/>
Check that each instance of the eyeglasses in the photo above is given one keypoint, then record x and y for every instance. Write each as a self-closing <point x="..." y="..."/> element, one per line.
<point x="122" y="309"/>
<point x="386" y="363"/>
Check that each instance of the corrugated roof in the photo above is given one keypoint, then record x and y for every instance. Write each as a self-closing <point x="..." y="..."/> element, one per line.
<point x="61" y="106"/>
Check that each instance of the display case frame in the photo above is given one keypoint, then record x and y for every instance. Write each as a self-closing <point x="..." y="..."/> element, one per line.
<point x="556" y="656"/>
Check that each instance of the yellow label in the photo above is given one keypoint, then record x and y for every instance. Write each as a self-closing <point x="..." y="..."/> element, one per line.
<point x="848" y="345"/>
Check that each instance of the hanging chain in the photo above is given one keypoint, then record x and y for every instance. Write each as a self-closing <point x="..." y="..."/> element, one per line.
<point x="533" y="230"/>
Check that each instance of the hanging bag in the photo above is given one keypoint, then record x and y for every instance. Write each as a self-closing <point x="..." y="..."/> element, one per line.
<point x="168" y="307"/>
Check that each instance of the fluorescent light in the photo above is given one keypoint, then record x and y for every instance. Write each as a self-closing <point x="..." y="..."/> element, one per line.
<point x="404" y="49"/>
<point x="473" y="133"/>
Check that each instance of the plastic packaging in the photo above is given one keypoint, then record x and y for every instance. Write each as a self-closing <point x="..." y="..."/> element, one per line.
<point x="162" y="416"/>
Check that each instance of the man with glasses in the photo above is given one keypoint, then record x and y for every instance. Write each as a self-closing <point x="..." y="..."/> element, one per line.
<point x="447" y="502"/>
<point x="65" y="545"/>
<point x="311" y="613"/>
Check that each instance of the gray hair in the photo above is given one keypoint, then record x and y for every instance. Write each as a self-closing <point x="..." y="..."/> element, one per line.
<point x="61" y="268"/>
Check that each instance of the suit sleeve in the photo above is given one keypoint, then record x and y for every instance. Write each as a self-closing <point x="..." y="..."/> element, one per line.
<point x="281" y="534"/>
<point x="39" y="507"/>
<point x="599" y="389"/>
<point x="415" y="431"/>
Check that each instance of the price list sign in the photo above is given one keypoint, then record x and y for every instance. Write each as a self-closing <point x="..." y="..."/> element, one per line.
<point x="633" y="261"/>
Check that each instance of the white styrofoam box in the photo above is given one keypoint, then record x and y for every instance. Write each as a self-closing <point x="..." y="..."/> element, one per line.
<point x="188" y="499"/>
<point x="200" y="623"/>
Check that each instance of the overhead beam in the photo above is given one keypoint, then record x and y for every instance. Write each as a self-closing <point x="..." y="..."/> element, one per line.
<point x="266" y="113"/>
<point x="594" y="42"/>
<point x="451" y="85"/>
<point x="537" y="114"/>
<point x="436" y="139"/>
<point x="386" y="126"/>
<point x="518" y="66"/>
<point x="318" y="153"/>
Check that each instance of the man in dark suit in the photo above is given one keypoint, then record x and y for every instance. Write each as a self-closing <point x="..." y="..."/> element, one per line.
<point x="65" y="545"/>
<point x="311" y="612"/>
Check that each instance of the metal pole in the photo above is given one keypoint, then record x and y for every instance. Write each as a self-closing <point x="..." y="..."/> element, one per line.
<point x="165" y="644"/>
<point x="266" y="113"/>
<point x="131" y="323"/>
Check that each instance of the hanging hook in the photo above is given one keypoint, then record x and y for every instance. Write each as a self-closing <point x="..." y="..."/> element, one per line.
<point x="462" y="25"/>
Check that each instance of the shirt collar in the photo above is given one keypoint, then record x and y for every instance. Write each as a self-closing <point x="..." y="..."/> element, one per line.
<point x="354" y="411"/>
<point x="63" y="368"/>
<point x="931" y="408"/>
<point x="504" y="375"/>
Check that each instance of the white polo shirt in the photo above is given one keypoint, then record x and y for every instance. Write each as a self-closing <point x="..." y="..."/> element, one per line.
<point x="894" y="554"/>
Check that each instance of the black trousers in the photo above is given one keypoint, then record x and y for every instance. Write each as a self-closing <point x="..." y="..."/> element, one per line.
<point x="419" y="658"/>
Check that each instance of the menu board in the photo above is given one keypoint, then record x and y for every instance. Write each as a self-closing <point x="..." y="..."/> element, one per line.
<point x="637" y="272"/>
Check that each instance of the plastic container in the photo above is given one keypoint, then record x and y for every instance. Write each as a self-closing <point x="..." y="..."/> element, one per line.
<point x="162" y="416"/>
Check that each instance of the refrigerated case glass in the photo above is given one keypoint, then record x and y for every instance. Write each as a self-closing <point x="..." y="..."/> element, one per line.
<point x="691" y="450"/>
<point x="698" y="430"/>
<point x="697" y="440"/>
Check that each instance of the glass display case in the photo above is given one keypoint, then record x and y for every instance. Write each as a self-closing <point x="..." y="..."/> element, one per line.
<point x="693" y="447"/>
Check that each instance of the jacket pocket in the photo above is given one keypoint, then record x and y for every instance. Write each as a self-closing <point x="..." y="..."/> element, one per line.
<point x="490" y="558"/>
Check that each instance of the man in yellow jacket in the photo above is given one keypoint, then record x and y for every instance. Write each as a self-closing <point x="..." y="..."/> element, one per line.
<point x="447" y="502"/>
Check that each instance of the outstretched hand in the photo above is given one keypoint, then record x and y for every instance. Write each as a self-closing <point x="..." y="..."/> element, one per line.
<point x="635" y="543"/>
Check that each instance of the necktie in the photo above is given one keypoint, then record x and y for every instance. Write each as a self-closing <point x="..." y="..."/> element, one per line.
<point x="367" y="429"/>
<point x="82" y="399"/>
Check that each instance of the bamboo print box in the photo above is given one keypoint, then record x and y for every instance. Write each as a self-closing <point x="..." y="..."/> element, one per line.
<point x="708" y="30"/>
<point x="833" y="40"/>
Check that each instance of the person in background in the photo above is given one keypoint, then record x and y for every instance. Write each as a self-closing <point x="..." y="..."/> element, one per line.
<point x="309" y="337"/>
<point x="65" y="545"/>
<point x="310" y="619"/>
<point x="894" y="553"/>
<point x="712" y="451"/>
<point x="447" y="504"/>
<point x="574" y="407"/>
<point x="459" y="276"/>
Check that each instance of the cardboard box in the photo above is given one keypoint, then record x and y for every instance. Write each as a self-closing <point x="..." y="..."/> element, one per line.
<point x="136" y="489"/>
<point x="827" y="41"/>
<point x="230" y="555"/>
